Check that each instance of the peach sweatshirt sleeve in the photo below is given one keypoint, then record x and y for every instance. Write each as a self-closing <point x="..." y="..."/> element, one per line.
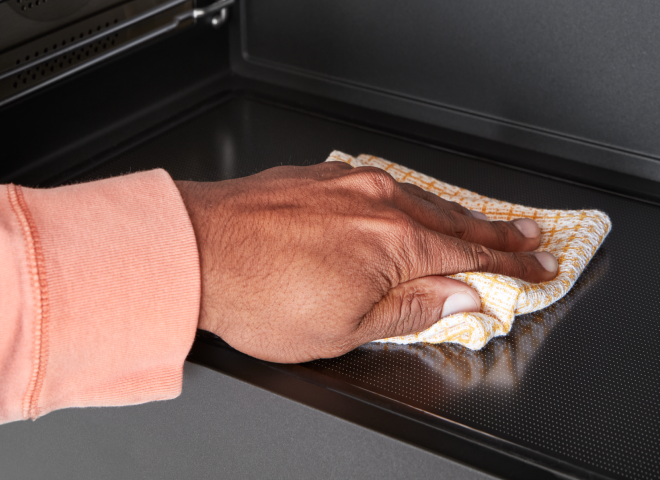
<point x="99" y="294"/>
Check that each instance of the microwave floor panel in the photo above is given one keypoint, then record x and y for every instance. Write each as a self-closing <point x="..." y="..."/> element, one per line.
<point x="577" y="382"/>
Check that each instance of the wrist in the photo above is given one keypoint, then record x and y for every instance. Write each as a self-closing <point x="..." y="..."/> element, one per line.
<point x="200" y="202"/>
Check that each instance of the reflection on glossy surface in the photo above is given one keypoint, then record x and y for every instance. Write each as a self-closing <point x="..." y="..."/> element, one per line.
<point x="580" y="383"/>
<point x="500" y="365"/>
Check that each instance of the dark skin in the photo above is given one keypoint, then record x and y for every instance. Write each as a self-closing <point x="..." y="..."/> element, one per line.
<point x="300" y="263"/>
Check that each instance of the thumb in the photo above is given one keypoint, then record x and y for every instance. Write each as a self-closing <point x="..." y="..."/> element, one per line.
<point x="416" y="305"/>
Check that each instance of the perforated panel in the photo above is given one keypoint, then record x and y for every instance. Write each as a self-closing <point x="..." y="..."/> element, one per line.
<point x="30" y="77"/>
<point x="35" y="61"/>
<point x="577" y="381"/>
<point x="46" y="10"/>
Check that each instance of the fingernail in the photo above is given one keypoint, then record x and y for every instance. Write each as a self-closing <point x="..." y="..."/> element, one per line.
<point x="478" y="215"/>
<point x="459" y="302"/>
<point x="528" y="227"/>
<point x="548" y="261"/>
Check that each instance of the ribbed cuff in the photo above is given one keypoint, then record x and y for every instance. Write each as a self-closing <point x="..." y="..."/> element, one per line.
<point x="116" y="286"/>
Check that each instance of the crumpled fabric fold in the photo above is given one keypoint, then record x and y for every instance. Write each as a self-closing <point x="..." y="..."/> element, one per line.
<point x="572" y="236"/>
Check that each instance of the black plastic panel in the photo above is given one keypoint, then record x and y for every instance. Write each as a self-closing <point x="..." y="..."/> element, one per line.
<point x="568" y="78"/>
<point x="576" y="383"/>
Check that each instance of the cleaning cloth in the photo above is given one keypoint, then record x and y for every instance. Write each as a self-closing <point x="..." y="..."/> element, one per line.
<point x="572" y="236"/>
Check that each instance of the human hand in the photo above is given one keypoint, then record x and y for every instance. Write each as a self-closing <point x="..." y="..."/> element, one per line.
<point x="300" y="263"/>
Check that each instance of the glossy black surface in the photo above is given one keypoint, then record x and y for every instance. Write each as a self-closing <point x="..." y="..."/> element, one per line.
<point x="576" y="383"/>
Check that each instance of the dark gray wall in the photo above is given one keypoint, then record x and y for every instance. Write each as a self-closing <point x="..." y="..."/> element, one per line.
<point x="572" y="78"/>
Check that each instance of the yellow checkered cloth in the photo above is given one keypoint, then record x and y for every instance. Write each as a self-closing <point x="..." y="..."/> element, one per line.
<point x="572" y="236"/>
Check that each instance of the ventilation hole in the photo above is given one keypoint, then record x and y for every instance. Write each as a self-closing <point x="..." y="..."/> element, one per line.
<point x="27" y="58"/>
<point x="36" y="4"/>
<point x="107" y="24"/>
<point x="27" y="72"/>
<point x="15" y="84"/>
<point x="70" y="61"/>
<point x="34" y="76"/>
<point x="82" y="35"/>
<point x="73" y="39"/>
<point x="96" y="50"/>
<point x="24" y="80"/>
<point x="90" y="32"/>
<point x="115" y="20"/>
<point x="98" y="28"/>
<point x="46" y="50"/>
<point x="61" y="65"/>
<point x="43" y="72"/>
<point x="112" y="42"/>
<point x="78" y="58"/>
<point x="18" y="61"/>
<point x="54" y="46"/>
<point x="52" y="69"/>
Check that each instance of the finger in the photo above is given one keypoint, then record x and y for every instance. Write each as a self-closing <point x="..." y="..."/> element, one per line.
<point x="520" y="235"/>
<point x="435" y="213"/>
<point x="414" y="306"/>
<point x="423" y="252"/>
<point x="439" y="201"/>
<point x="435" y="199"/>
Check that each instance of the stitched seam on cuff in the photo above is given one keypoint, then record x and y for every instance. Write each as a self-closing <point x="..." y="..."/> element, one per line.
<point x="36" y="269"/>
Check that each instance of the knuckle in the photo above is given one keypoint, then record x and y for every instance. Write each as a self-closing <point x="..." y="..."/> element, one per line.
<point x="376" y="180"/>
<point x="513" y="264"/>
<point x="522" y="265"/>
<point x="461" y="226"/>
<point x="483" y="258"/>
<point x="456" y="207"/>
<point x="412" y="312"/>
<point x="502" y="233"/>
